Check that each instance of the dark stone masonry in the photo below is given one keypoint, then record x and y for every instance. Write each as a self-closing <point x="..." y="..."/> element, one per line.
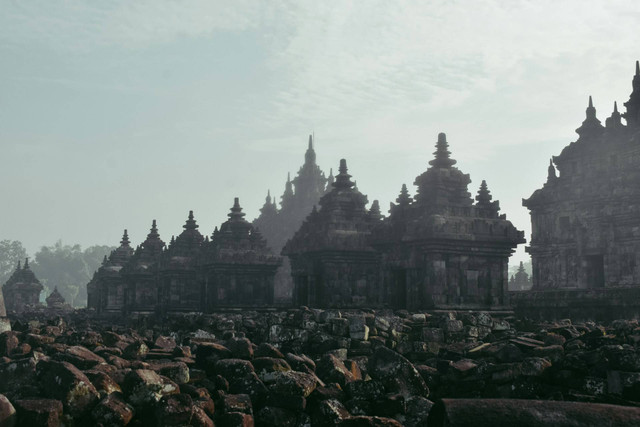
<point x="585" y="240"/>
<point x="318" y="368"/>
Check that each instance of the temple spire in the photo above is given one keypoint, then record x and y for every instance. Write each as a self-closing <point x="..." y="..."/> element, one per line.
<point x="19" y="267"/>
<point x="591" y="126"/>
<point x="26" y="263"/>
<point x="374" y="211"/>
<point x="310" y="155"/>
<point x="615" y="120"/>
<point x="343" y="180"/>
<point x="484" y="196"/>
<point x="442" y="154"/>
<point x="154" y="230"/>
<point x="404" y="199"/>
<point x="191" y="223"/>
<point x="236" y="211"/>
<point x="125" y="239"/>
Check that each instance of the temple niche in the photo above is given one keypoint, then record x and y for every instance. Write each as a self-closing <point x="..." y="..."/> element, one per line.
<point x="440" y="249"/>
<point x="237" y="267"/>
<point x="22" y="290"/>
<point x="586" y="218"/>
<point x="278" y="225"/>
<point x="332" y="262"/>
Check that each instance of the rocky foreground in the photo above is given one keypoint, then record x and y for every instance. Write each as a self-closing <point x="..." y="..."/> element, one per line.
<point x="302" y="367"/>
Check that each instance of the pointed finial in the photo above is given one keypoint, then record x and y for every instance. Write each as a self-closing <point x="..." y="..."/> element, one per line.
<point x="484" y="195"/>
<point x="104" y="260"/>
<point x="310" y="155"/>
<point x="590" y="102"/>
<point x="343" y="179"/>
<point x="125" y="239"/>
<point x="343" y="166"/>
<point x="374" y="211"/>
<point x="637" y="68"/>
<point x="615" y="106"/>
<point x="26" y="263"/>
<point x="404" y="198"/>
<point x="191" y="222"/>
<point x="154" y="226"/>
<point x="268" y="199"/>
<point x="236" y="213"/>
<point x="288" y="177"/>
<point x="442" y="153"/>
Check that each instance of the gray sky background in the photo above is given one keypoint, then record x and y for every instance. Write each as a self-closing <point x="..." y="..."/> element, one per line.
<point x="113" y="113"/>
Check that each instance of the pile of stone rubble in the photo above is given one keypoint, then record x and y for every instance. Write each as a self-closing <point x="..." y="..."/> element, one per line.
<point x="306" y="367"/>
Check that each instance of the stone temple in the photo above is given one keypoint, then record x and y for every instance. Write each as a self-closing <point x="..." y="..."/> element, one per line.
<point x="440" y="250"/>
<point x="586" y="218"/>
<point x="585" y="221"/>
<point x="22" y="290"/>
<point x="233" y="269"/>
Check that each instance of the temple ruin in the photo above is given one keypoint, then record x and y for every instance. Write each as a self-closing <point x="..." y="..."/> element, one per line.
<point x="441" y="250"/>
<point x="22" y="290"/>
<point x="586" y="219"/>
<point x="234" y="268"/>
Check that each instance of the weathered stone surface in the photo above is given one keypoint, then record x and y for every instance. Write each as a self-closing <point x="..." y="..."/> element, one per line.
<point x="65" y="382"/>
<point x="8" y="416"/>
<point x="104" y="384"/>
<point x="330" y="369"/>
<point x="173" y="410"/>
<point x="293" y="383"/>
<point x="237" y="403"/>
<point x="80" y="357"/>
<point x="39" y="412"/>
<point x="267" y="367"/>
<point x="396" y="373"/>
<point x="112" y="411"/>
<point x="143" y="387"/>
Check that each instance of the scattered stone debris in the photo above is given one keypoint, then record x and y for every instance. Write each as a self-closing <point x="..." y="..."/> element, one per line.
<point x="306" y="367"/>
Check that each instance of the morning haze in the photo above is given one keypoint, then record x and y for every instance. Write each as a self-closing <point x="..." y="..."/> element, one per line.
<point x="116" y="114"/>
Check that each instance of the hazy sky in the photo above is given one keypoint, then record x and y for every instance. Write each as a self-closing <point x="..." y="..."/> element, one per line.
<point x="114" y="113"/>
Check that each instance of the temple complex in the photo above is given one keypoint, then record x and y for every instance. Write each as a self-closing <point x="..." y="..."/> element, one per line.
<point x="233" y="269"/>
<point x="332" y="262"/>
<point x="586" y="218"/>
<point x="438" y="250"/>
<point x="441" y="249"/>
<point x="300" y="195"/>
<point x="22" y="290"/>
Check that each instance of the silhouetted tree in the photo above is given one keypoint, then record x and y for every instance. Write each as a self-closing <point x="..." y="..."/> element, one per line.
<point x="69" y="268"/>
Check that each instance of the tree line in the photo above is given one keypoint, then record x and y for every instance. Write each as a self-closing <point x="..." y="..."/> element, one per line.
<point x="68" y="267"/>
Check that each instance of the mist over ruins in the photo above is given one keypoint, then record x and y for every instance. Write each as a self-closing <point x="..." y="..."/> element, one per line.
<point x="390" y="280"/>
